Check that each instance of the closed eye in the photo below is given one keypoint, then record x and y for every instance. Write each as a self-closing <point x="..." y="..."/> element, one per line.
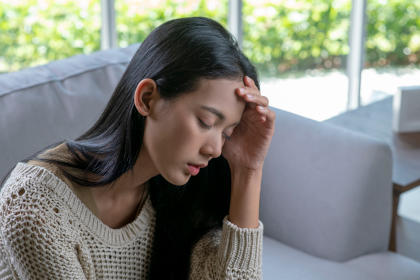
<point x="206" y="126"/>
<point x="203" y="124"/>
<point x="227" y="137"/>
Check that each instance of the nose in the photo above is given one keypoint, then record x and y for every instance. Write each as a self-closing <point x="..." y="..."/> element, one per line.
<point x="213" y="146"/>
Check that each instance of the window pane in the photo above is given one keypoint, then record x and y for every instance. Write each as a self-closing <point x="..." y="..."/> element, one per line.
<point x="34" y="32"/>
<point x="136" y="18"/>
<point x="392" y="48"/>
<point x="300" y="48"/>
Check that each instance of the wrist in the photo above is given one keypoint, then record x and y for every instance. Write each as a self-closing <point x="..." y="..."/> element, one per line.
<point x="245" y="172"/>
<point x="246" y="180"/>
<point x="245" y="197"/>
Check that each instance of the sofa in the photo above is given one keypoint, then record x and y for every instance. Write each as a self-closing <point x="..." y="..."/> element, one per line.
<point x="326" y="191"/>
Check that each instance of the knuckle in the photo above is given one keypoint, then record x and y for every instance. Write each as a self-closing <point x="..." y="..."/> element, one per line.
<point x="265" y="100"/>
<point x="272" y="114"/>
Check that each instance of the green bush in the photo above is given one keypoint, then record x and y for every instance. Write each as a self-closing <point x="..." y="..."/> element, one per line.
<point x="136" y="19"/>
<point x="283" y="36"/>
<point x="279" y="36"/>
<point x="393" y="33"/>
<point x="34" y="32"/>
<point x="296" y="35"/>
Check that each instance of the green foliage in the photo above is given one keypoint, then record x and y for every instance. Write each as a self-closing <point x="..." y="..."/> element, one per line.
<point x="306" y="34"/>
<point x="34" y="32"/>
<point x="393" y="33"/>
<point x="136" y="19"/>
<point x="296" y="35"/>
<point x="279" y="35"/>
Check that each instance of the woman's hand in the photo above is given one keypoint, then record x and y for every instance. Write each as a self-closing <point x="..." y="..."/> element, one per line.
<point x="251" y="139"/>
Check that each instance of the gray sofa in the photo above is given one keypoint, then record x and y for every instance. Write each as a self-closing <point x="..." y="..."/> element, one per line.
<point x="326" y="194"/>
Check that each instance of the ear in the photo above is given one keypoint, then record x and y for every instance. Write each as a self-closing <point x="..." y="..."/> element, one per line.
<point x="145" y="96"/>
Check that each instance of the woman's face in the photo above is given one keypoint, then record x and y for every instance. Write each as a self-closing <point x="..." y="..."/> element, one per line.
<point x="191" y="129"/>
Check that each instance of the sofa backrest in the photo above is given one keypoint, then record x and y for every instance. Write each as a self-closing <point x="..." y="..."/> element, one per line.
<point x="43" y="105"/>
<point x="326" y="190"/>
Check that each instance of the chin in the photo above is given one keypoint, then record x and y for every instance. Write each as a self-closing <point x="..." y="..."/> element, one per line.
<point x="179" y="179"/>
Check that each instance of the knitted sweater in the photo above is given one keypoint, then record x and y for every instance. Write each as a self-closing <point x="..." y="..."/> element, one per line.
<point x="48" y="233"/>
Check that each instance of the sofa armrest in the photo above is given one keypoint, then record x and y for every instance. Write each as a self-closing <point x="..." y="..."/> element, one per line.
<point x="326" y="190"/>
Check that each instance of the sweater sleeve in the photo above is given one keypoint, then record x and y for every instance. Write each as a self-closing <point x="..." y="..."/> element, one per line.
<point x="34" y="241"/>
<point x="229" y="253"/>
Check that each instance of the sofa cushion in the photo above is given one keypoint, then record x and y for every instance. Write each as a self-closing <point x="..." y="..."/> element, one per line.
<point x="283" y="262"/>
<point x="387" y="266"/>
<point x="43" y="105"/>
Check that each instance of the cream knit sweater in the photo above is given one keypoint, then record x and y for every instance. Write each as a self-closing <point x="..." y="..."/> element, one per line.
<point x="48" y="233"/>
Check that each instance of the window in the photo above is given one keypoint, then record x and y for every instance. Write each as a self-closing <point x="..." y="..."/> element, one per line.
<point x="392" y="48"/>
<point x="300" y="48"/>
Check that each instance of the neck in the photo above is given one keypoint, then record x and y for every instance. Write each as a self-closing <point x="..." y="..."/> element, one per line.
<point x="133" y="180"/>
<point x="118" y="203"/>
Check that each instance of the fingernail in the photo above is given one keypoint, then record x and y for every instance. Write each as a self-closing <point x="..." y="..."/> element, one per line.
<point x="250" y="96"/>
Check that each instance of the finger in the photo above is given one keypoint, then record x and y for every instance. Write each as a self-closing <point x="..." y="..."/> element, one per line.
<point x="259" y="100"/>
<point x="248" y="90"/>
<point x="263" y="112"/>
<point x="260" y="109"/>
<point x="270" y="118"/>
<point x="249" y="82"/>
<point x="245" y="90"/>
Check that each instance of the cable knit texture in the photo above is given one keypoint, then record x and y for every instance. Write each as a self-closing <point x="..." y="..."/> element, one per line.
<point x="48" y="233"/>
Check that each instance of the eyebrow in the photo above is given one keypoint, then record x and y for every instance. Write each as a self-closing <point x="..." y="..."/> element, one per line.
<point x="217" y="113"/>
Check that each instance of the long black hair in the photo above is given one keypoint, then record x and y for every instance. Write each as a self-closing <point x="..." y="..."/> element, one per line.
<point x="176" y="55"/>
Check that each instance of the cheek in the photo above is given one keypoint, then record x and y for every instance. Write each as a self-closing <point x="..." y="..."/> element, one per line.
<point x="185" y="139"/>
<point x="172" y="140"/>
<point x="171" y="144"/>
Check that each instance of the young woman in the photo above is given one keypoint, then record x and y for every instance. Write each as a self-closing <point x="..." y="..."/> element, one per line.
<point x="165" y="185"/>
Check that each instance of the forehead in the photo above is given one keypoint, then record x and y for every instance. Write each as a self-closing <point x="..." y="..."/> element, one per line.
<point x="219" y="93"/>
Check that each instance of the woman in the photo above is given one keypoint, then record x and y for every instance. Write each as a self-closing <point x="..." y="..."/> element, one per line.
<point x="165" y="185"/>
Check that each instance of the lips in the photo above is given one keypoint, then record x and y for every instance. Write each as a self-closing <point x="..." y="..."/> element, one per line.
<point x="195" y="168"/>
<point x="198" y="165"/>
